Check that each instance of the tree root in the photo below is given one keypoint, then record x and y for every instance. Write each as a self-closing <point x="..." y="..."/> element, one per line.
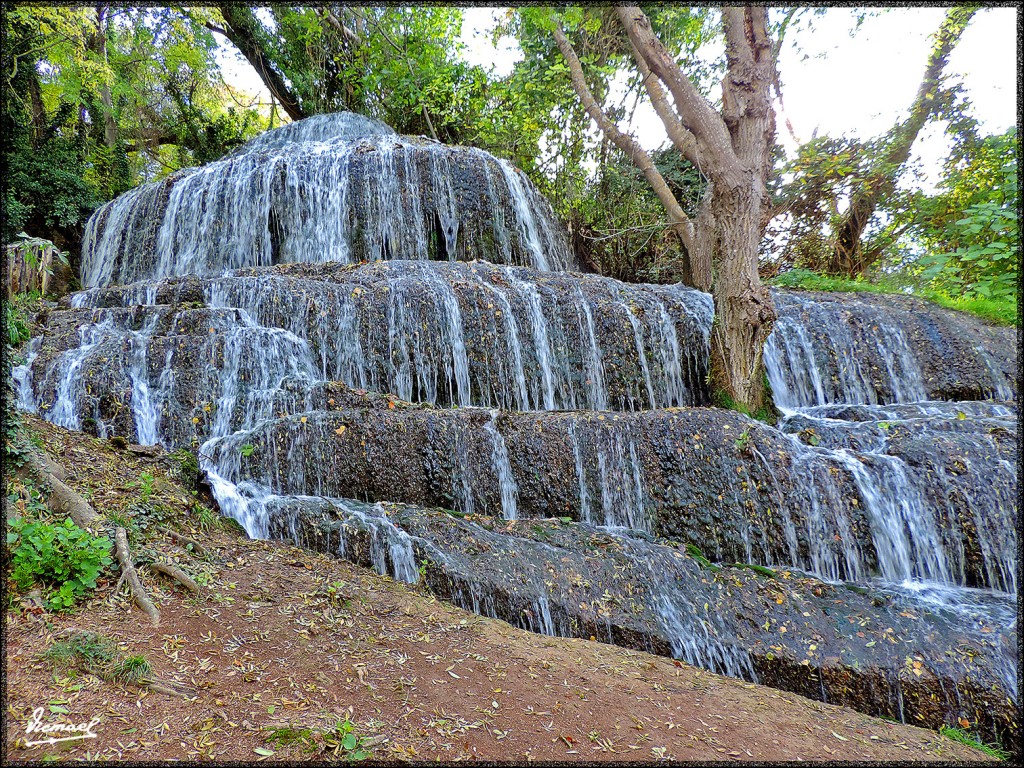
<point x="62" y="499"/>
<point x="180" y="539"/>
<point x="174" y="572"/>
<point x="128" y="573"/>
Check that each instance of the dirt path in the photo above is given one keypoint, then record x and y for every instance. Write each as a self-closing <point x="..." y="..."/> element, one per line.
<point x="282" y="644"/>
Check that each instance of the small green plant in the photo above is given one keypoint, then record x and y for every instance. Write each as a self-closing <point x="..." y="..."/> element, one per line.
<point x="206" y="517"/>
<point x="187" y="465"/>
<point x="809" y="436"/>
<point x="61" y="558"/>
<point x="694" y="551"/>
<point x="17" y="327"/>
<point x="343" y="741"/>
<point x="145" y="485"/>
<point x="246" y="450"/>
<point x="336" y="594"/>
<point x="97" y="655"/>
<point x="962" y="736"/>
<point x="743" y="440"/>
<point x="132" y="668"/>
<point x="287" y="736"/>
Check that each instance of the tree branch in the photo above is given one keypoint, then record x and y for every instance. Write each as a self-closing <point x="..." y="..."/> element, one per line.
<point x="882" y="178"/>
<point x="423" y="106"/>
<point x="241" y="32"/>
<point x="680" y="222"/>
<point x="681" y="138"/>
<point x="695" y="113"/>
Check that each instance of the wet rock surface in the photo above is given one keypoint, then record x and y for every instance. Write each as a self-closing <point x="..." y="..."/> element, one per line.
<point x="470" y="334"/>
<point x="885" y="653"/>
<point x="734" y="487"/>
<point x="877" y="348"/>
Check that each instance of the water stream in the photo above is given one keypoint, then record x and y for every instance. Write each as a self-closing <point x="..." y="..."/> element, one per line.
<point x="227" y="306"/>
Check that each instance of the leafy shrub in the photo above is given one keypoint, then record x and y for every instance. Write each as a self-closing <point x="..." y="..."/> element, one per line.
<point x="17" y="329"/>
<point x="62" y="558"/>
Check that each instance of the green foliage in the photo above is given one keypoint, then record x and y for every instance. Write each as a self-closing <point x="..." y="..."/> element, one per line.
<point x="61" y="558"/>
<point x="1001" y="311"/>
<point x="207" y="518"/>
<point x="145" y="484"/>
<point x="758" y="569"/>
<point x="694" y="551"/>
<point x="17" y="327"/>
<point x="765" y="413"/>
<point x="970" y="230"/>
<point x="101" y="98"/>
<point x="742" y="441"/>
<point x="186" y="465"/>
<point x="288" y="736"/>
<point x="811" y="189"/>
<point x="344" y="741"/>
<point x="97" y="655"/>
<point x="959" y="735"/>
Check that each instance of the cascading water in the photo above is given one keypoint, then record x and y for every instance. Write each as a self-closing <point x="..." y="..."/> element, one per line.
<point x="330" y="191"/>
<point x="253" y="329"/>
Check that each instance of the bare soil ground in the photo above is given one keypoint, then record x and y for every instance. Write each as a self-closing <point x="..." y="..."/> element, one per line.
<point x="282" y="644"/>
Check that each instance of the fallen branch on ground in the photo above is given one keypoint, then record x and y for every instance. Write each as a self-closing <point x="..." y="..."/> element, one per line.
<point x="174" y="572"/>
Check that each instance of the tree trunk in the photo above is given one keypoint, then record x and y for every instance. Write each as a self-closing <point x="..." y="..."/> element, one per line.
<point x="242" y="32"/>
<point x="744" y="309"/>
<point x="848" y="258"/>
<point x="99" y="47"/>
<point x="679" y="222"/>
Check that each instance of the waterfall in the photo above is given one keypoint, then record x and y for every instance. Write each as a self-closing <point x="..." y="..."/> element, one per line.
<point x="324" y="192"/>
<point x="502" y="470"/>
<point x="335" y="312"/>
<point x="855" y="350"/>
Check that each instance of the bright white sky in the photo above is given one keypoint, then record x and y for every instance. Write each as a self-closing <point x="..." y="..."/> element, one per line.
<point x="855" y="86"/>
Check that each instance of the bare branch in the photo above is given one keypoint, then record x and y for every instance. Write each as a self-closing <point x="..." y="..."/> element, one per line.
<point x="680" y="222"/>
<point x="695" y="113"/>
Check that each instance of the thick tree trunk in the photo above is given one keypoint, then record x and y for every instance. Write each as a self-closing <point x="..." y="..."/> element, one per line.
<point x="848" y="257"/>
<point x="744" y="309"/>
<point x="99" y="47"/>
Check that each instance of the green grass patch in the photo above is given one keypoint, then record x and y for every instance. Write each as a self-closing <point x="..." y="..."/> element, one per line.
<point x="694" y="551"/>
<point x="97" y="655"/>
<point x="998" y="311"/>
<point x="957" y="734"/>
<point x="758" y="569"/>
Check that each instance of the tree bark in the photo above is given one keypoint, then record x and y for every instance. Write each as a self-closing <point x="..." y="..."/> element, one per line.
<point x="732" y="149"/>
<point x="99" y="47"/>
<point x="241" y="31"/>
<point x="848" y="257"/>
